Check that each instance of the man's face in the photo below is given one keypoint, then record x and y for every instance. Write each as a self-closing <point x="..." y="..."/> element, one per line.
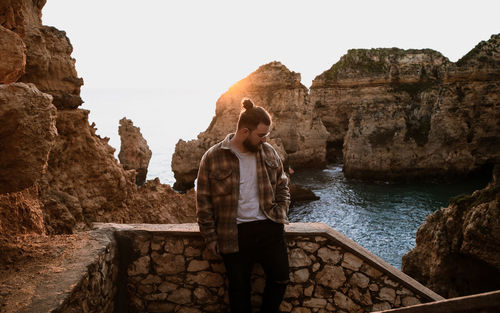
<point x="256" y="137"/>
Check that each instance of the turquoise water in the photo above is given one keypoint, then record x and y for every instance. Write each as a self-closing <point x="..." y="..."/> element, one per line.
<point x="383" y="218"/>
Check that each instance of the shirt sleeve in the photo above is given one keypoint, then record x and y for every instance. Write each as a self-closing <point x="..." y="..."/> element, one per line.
<point x="204" y="208"/>
<point x="282" y="188"/>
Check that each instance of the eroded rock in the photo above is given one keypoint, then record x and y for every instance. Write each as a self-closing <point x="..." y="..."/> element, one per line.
<point x="458" y="247"/>
<point x="134" y="151"/>
<point x="27" y="134"/>
<point x="406" y="114"/>
<point x="12" y="56"/>
<point x="296" y="125"/>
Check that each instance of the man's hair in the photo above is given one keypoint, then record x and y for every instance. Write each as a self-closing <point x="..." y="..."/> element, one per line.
<point x="252" y="116"/>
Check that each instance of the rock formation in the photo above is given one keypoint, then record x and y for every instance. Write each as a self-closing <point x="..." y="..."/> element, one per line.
<point x="279" y="91"/>
<point x="57" y="175"/>
<point x="406" y="114"/>
<point x="134" y="151"/>
<point x="48" y="58"/>
<point x="458" y="247"/>
<point x="13" y="52"/>
<point x="300" y="193"/>
<point x="27" y="132"/>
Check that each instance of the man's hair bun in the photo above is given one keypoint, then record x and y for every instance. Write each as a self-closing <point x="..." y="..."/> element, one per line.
<point x="247" y="103"/>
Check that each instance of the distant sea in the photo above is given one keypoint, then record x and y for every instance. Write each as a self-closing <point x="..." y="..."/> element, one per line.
<point x="382" y="217"/>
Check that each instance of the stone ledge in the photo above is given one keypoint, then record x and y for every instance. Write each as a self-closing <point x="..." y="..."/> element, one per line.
<point x="355" y="248"/>
<point x="484" y="302"/>
<point x="293" y="229"/>
<point x="56" y="290"/>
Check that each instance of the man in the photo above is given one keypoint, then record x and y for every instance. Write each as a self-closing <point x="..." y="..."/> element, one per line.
<point x="242" y="203"/>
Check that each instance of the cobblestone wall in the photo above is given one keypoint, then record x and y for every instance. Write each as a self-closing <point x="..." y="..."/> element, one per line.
<point x="170" y="271"/>
<point x="96" y="291"/>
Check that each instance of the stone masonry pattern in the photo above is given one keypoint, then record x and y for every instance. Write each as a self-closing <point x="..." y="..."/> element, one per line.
<point x="172" y="273"/>
<point x="96" y="291"/>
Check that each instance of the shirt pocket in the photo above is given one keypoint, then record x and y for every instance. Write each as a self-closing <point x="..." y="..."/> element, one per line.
<point x="220" y="182"/>
<point x="272" y="170"/>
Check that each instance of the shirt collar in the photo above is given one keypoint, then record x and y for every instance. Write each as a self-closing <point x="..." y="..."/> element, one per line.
<point x="226" y="143"/>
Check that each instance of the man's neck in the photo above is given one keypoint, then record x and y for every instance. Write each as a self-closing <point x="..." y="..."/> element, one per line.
<point x="238" y="144"/>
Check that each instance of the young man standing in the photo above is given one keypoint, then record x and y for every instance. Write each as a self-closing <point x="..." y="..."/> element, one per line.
<point x="242" y="203"/>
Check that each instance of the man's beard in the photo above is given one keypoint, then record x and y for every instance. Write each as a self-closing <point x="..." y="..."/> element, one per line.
<point x="250" y="147"/>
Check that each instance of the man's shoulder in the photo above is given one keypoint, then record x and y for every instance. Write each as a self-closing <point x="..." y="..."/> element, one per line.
<point x="213" y="150"/>
<point x="268" y="148"/>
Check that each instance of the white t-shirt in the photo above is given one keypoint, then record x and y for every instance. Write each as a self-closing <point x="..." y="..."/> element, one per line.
<point x="248" y="203"/>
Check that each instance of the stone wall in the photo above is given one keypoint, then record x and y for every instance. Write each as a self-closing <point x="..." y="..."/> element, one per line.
<point x="82" y="277"/>
<point x="487" y="302"/>
<point x="97" y="289"/>
<point x="168" y="270"/>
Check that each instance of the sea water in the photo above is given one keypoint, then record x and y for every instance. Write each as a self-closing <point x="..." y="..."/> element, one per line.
<point x="381" y="217"/>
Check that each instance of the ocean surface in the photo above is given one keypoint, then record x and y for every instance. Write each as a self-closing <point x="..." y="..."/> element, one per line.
<point x="383" y="218"/>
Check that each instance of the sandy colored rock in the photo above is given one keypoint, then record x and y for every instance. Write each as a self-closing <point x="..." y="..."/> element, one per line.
<point x="12" y="56"/>
<point x="134" y="151"/>
<point x="458" y="247"/>
<point x="298" y="258"/>
<point x="27" y="134"/>
<point x="330" y="256"/>
<point x="360" y="280"/>
<point x="21" y="213"/>
<point x="331" y="276"/>
<point x="406" y="114"/>
<point x="85" y="181"/>
<point x="279" y="91"/>
<point x="49" y="64"/>
<point x="346" y="303"/>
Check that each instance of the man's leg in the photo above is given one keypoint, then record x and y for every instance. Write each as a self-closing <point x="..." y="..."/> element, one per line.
<point x="238" y="272"/>
<point x="276" y="268"/>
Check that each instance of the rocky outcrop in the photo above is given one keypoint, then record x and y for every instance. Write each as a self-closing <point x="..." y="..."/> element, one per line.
<point x="12" y="56"/>
<point x="406" y="114"/>
<point x="279" y="91"/>
<point x="300" y="193"/>
<point x="85" y="183"/>
<point x="21" y="212"/>
<point x="57" y="175"/>
<point x="134" y="151"/>
<point x="27" y="133"/>
<point x="49" y="64"/>
<point x="458" y="247"/>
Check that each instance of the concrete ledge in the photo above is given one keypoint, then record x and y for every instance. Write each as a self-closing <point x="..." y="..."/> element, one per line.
<point x="483" y="302"/>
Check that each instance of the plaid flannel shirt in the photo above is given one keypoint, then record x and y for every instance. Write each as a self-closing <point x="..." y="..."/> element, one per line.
<point x="218" y="192"/>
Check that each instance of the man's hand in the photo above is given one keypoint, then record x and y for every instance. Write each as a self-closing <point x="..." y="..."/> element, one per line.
<point x="213" y="247"/>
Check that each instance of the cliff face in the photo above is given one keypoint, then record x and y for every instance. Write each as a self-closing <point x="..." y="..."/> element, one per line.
<point x="57" y="175"/>
<point x="27" y="116"/>
<point x="458" y="247"/>
<point x="405" y="114"/>
<point x="295" y="124"/>
<point x="48" y="58"/>
<point x="13" y="52"/>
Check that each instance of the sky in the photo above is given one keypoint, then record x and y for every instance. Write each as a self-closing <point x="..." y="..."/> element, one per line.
<point x="191" y="52"/>
<point x="185" y="44"/>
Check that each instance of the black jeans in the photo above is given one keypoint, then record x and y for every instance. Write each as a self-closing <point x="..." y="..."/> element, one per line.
<point x="259" y="242"/>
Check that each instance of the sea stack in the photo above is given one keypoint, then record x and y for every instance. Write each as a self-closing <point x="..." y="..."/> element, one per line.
<point x="295" y="123"/>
